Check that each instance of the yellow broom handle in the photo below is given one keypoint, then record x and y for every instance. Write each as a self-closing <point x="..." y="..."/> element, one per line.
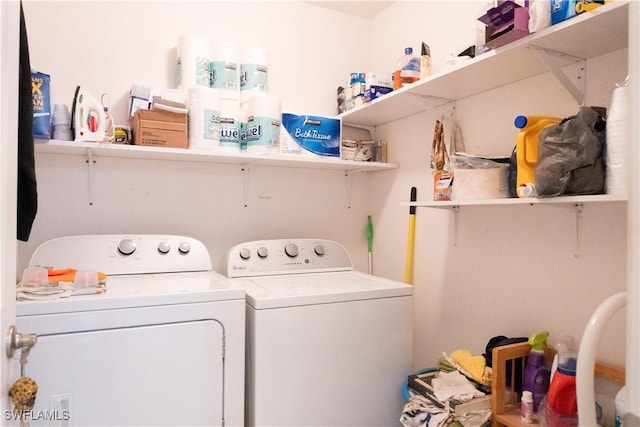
<point x="408" y="274"/>
<point x="411" y="239"/>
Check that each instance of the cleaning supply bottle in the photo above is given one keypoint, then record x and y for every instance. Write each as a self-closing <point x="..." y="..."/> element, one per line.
<point x="621" y="406"/>
<point x="562" y="396"/>
<point x="425" y="61"/>
<point x="527" y="150"/>
<point x="536" y="374"/>
<point x="526" y="407"/>
<point x="407" y="69"/>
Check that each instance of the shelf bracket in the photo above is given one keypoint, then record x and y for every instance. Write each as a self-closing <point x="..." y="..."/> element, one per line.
<point x="244" y="170"/>
<point x="434" y="101"/>
<point x="578" y="220"/>
<point x="349" y="187"/>
<point x="370" y="129"/>
<point x="456" y="216"/>
<point x="578" y="208"/>
<point x="90" y="161"/>
<point x="576" y="90"/>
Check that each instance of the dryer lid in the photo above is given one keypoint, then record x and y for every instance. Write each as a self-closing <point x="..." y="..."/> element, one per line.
<point x="318" y="288"/>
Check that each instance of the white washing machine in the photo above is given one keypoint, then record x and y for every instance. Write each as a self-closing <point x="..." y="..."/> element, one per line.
<point x="326" y="345"/>
<point x="164" y="345"/>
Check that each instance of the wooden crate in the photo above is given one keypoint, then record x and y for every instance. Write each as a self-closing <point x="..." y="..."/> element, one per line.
<point x="506" y="413"/>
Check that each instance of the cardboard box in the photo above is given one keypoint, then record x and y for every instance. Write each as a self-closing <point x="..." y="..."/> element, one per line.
<point x="160" y="129"/>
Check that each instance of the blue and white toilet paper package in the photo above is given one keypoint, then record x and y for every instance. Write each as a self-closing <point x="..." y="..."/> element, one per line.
<point x="315" y="134"/>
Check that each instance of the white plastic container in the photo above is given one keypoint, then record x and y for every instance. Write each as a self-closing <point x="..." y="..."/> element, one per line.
<point x="621" y="407"/>
<point x="526" y="407"/>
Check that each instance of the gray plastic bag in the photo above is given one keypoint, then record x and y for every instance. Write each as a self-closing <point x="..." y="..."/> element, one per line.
<point x="571" y="155"/>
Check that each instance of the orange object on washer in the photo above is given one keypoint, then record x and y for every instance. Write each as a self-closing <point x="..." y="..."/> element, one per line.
<point x="68" y="275"/>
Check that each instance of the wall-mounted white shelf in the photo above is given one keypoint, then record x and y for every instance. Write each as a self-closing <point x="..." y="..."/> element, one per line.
<point x="585" y="36"/>
<point x="576" y="203"/>
<point x="563" y="201"/>
<point x="96" y="149"/>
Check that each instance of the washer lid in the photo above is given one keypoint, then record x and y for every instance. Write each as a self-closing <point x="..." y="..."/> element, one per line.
<point x="318" y="288"/>
<point x="143" y="290"/>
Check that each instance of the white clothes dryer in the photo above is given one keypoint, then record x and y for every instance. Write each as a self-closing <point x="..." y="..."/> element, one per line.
<point x="326" y="345"/>
<point x="164" y="345"/>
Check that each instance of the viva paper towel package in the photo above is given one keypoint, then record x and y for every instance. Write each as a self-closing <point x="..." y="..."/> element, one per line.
<point x="311" y="135"/>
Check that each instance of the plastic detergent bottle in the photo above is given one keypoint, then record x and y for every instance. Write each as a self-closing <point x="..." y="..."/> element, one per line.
<point x="536" y="374"/>
<point x="562" y="391"/>
<point x="407" y="69"/>
<point x="527" y="150"/>
<point x="621" y="406"/>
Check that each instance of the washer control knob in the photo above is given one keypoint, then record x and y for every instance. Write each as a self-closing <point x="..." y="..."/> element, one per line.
<point x="319" y="250"/>
<point x="245" y="253"/>
<point x="291" y="249"/>
<point x="164" y="247"/>
<point x="126" y="247"/>
<point x="184" y="247"/>
<point x="263" y="252"/>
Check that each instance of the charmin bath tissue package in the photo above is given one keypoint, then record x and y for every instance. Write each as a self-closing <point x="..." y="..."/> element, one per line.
<point x="305" y="134"/>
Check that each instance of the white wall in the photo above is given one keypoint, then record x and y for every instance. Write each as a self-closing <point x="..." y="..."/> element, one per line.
<point x="511" y="271"/>
<point x="107" y="46"/>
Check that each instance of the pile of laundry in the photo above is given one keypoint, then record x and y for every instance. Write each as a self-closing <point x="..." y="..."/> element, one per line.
<point x="40" y="283"/>
<point x="457" y="393"/>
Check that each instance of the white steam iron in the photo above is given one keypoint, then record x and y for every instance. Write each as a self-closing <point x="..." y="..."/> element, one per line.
<point x="89" y="119"/>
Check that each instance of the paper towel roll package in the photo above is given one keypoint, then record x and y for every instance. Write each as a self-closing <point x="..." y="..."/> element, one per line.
<point x="193" y="62"/>
<point x="204" y="118"/>
<point x="262" y="130"/>
<point x="224" y="67"/>
<point x="254" y="71"/>
<point x="230" y="125"/>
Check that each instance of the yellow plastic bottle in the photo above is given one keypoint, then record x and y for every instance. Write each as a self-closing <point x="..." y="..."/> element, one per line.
<point x="527" y="150"/>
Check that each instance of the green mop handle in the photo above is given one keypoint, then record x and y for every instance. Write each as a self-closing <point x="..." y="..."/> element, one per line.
<point x="370" y="241"/>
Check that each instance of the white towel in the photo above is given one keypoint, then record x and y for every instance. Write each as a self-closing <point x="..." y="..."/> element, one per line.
<point x="421" y="412"/>
<point x="44" y="292"/>
<point x="453" y="384"/>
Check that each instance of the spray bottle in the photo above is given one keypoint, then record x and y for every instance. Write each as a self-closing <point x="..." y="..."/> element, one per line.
<point x="536" y="374"/>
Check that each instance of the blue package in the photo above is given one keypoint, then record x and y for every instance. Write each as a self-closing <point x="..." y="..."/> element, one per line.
<point x="318" y="135"/>
<point x="41" y="104"/>
<point x="561" y="10"/>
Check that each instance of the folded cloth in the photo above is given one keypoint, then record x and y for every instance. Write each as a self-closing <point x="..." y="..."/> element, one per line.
<point x="472" y="366"/>
<point x="475" y="418"/>
<point x="421" y="412"/>
<point x="448" y="385"/>
<point x="58" y="290"/>
<point x="69" y="274"/>
<point x="55" y="291"/>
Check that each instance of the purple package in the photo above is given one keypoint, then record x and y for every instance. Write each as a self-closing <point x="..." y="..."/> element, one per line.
<point x="500" y="16"/>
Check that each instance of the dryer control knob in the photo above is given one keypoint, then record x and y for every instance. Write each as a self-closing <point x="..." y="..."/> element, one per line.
<point x="184" y="247"/>
<point x="319" y="250"/>
<point x="245" y="253"/>
<point x="291" y="249"/>
<point x="263" y="252"/>
<point x="126" y="247"/>
<point x="164" y="247"/>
